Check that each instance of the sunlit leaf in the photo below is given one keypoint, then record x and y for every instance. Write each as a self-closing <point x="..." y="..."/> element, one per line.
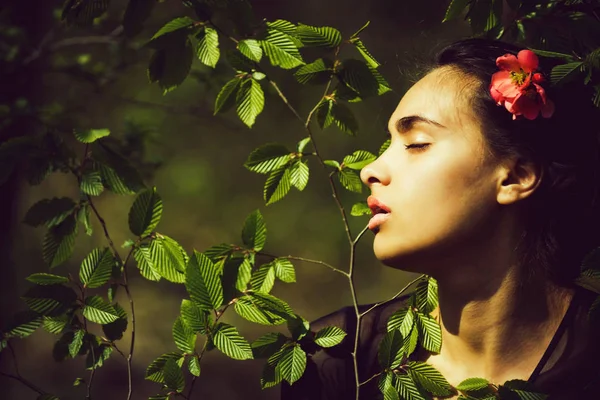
<point x="358" y="160"/>
<point x="319" y="35"/>
<point x="267" y="345"/>
<point x="360" y="209"/>
<point x="250" y="101"/>
<point x="329" y="336"/>
<point x="390" y="349"/>
<point x="43" y="278"/>
<point x="267" y="158"/>
<point x="227" y="339"/>
<point x="114" y="330"/>
<point x="284" y="270"/>
<point x="227" y="95"/>
<point x="173" y="376"/>
<point x="208" y="46"/>
<point x="184" y="336"/>
<point x="278" y="184"/>
<point x="429" y="379"/>
<point x="49" y="212"/>
<point x="145" y="213"/>
<point x="154" y="372"/>
<point x="90" y="135"/>
<point x="97" y="310"/>
<point x="254" y="232"/>
<point x="21" y="325"/>
<point x="96" y="268"/>
<point x="203" y="283"/>
<point x="251" y="49"/>
<point x="350" y="181"/>
<point x="299" y="174"/>
<point x="50" y="300"/>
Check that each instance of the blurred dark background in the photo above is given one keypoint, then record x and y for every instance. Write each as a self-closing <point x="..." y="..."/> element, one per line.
<point x="195" y="160"/>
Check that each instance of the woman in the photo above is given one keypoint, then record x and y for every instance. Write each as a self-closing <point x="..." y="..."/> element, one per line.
<point x="489" y="186"/>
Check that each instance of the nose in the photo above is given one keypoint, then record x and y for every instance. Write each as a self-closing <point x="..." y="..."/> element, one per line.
<point x="375" y="173"/>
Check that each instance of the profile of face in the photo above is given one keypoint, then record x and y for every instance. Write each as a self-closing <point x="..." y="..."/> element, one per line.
<point x="441" y="187"/>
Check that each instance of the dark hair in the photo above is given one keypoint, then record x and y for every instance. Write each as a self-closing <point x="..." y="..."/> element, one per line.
<point x="562" y="217"/>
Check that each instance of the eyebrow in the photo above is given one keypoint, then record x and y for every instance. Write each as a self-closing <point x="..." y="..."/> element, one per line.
<point x="405" y="124"/>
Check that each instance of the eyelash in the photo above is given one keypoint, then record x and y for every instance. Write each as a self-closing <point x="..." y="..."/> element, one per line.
<point x="417" y="146"/>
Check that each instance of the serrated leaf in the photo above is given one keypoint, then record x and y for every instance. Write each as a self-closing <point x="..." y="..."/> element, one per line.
<point x="407" y="389"/>
<point x="197" y="319"/>
<point x="46" y="279"/>
<point x="172" y="26"/>
<point x="331" y="111"/>
<point x="359" y="77"/>
<point x="227" y="95"/>
<point x="384" y="146"/>
<point x="553" y="54"/>
<point x="184" y="336"/>
<point x="267" y="345"/>
<point x="96" y="268"/>
<point x="318" y="35"/>
<point x="240" y="63"/>
<point x="168" y="258"/>
<point x="98" y="354"/>
<point x="83" y="13"/>
<point x="472" y="384"/>
<point x="390" y="350"/>
<point x="284" y="270"/>
<point x="250" y="309"/>
<point x="455" y="9"/>
<point x="390" y="393"/>
<point x="303" y="143"/>
<point x="194" y="366"/>
<point x="278" y="184"/>
<point x="250" y="101"/>
<point x="329" y="336"/>
<point x="75" y="345"/>
<point x="317" y="72"/>
<point x="91" y="183"/>
<point x="49" y="212"/>
<point x="299" y="174"/>
<point x="117" y="172"/>
<point x="203" y="283"/>
<point x="267" y="158"/>
<point x="362" y="49"/>
<point x="426" y="295"/>
<point x="21" y="325"/>
<point x="429" y="379"/>
<point x="154" y="372"/>
<point x="208" y="46"/>
<point x="263" y="278"/>
<point x="145" y="213"/>
<point x="50" y="300"/>
<point x="115" y="330"/>
<point x="254" y="232"/>
<point x="281" y="50"/>
<point x="219" y="251"/>
<point x="170" y="65"/>
<point x="78" y="382"/>
<point x="410" y="342"/>
<point x="271" y="375"/>
<point x="227" y="339"/>
<point x="292" y="363"/>
<point x="358" y="160"/>
<point x="403" y="320"/>
<point x="332" y="163"/>
<point x="430" y="333"/>
<point x="143" y="258"/>
<point x="59" y="242"/>
<point x="90" y="135"/>
<point x="350" y="181"/>
<point x="173" y="376"/>
<point x="97" y="310"/>
<point x="565" y="72"/>
<point x="360" y="209"/>
<point x="55" y="325"/>
<point x="251" y="49"/>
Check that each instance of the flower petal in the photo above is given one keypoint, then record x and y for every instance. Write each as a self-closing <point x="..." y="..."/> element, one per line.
<point x="548" y="109"/>
<point x="528" y="60"/>
<point x="541" y="92"/>
<point x="508" y="62"/>
<point x="502" y="82"/>
<point x="527" y="106"/>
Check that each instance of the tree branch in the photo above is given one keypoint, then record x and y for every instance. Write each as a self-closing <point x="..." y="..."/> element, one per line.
<point x="395" y="296"/>
<point x="306" y="260"/>
<point x="18" y="376"/>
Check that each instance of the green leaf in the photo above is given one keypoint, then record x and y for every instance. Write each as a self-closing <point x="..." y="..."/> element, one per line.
<point x="240" y="63"/>
<point x="250" y="101"/>
<point x="472" y="384"/>
<point x="278" y="184"/>
<point x="145" y="213"/>
<point x="117" y="172"/>
<point x="390" y="393"/>
<point x="317" y="72"/>
<point x="407" y="389"/>
<point x="284" y="270"/>
<point x="90" y="135"/>
<point x="173" y="376"/>
<point x="319" y="35"/>
<point x="194" y="366"/>
<point x="350" y="181"/>
<point x="96" y="268"/>
<point x="254" y="232"/>
<point x="219" y="252"/>
<point x="564" y="73"/>
<point x="403" y="320"/>
<point x="359" y="77"/>
<point x="208" y="46"/>
<point x="390" y="350"/>
<point x="154" y="372"/>
<point x="299" y="174"/>
<point x="227" y="339"/>
<point x="75" y="345"/>
<point x="281" y="50"/>
<point x="271" y="373"/>
<point x="91" y="183"/>
<point x="426" y="295"/>
<point x="50" y="300"/>
<point x="430" y="333"/>
<point x="332" y="163"/>
<point x="184" y="336"/>
<point x="143" y="259"/>
<point x="292" y="363"/>
<point x="197" y="319"/>
<point x="46" y="279"/>
<point x="170" y="65"/>
<point x="303" y="143"/>
<point x="227" y="94"/>
<point x="250" y="309"/>
<point x="283" y="26"/>
<point x="83" y="13"/>
<point x="251" y="49"/>
<point x="83" y="216"/>
<point x="358" y="160"/>
<point x="49" y="212"/>
<point x="55" y="325"/>
<point x="384" y="146"/>
<point x="267" y="158"/>
<point x="329" y="336"/>
<point x="359" y="209"/>
<point x="429" y="379"/>
<point x="362" y="49"/>
<point x="362" y="28"/>
<point x="525" y="395"/>
<point x="172" y="26"/>
<point x="552" y="54"/>
<point x="115" y="330"/>
<point x="332" y="111"/>
<point x="263" y="278"/>
<point x="97" y="310"/>
<point x="59" y="242"/>
<point x="267" y="345"/>
<point x="168" y="258"/>
<point x="21" y="325"/>
<point x="410" y="342"/>
<point x="98" y="354"/>
<point x="78" y="382"/>
<point x="455" y="9"/>
<point x="203" y="283"/>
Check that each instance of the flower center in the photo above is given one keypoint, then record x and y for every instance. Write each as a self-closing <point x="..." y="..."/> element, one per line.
<point x="518" y="78"/>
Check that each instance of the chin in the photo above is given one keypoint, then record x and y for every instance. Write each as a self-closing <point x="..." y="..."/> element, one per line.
<point x="405" y="258"/>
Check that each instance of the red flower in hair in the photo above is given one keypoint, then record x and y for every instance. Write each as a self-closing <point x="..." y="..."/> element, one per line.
<point x="516" y="86"/>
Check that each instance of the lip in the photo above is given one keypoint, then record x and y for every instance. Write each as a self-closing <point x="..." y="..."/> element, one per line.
<point x="381" y="212"/>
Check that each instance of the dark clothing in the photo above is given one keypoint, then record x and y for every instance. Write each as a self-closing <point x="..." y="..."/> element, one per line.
<point x="570" y="370"/>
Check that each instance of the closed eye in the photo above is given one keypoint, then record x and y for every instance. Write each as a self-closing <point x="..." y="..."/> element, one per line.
<point x="418" y="147"/>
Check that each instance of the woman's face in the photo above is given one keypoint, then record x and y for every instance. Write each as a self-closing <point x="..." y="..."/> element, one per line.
<point x="436" y="178"/>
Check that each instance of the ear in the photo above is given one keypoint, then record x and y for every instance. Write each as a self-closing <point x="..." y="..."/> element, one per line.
<point x="518" y="179"/>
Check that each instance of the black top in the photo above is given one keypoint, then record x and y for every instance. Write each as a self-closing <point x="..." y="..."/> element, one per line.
<point x="568" y="370"/>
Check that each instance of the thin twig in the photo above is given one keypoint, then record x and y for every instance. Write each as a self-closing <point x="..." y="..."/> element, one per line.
<point x="370" y="379"/>
<point x="92" y="373"/>
<point x="308" y="260"/>
<point x="358" y="316"/>
<point x="395" y="296"/>
<point x="23" y="381"/>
